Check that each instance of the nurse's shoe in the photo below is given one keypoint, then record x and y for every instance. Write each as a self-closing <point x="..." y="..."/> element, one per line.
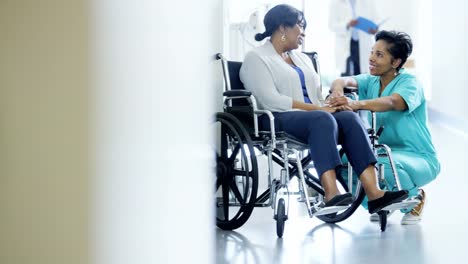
<point x="414" y="216"/>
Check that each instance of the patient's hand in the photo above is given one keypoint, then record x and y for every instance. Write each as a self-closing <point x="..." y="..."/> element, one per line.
<point x="328" y="109"/>
<point x="351" y="105"/>
<point x="343" y="103"/>
<point x="337" y="101"/>
<point x="344" y="108"/>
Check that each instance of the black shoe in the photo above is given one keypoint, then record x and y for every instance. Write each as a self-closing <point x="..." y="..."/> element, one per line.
<point x="386" y="200"/>
<point x="340" y="200"/>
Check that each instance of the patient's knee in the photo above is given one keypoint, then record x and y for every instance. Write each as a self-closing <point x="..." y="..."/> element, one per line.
<point x="347" y="116"/>
<point x="325" y="122"/>
<point x="348" y="119"/>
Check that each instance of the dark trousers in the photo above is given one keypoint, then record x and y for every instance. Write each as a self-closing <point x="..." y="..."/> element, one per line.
<point x="353" y="65"/>
<point x="323" y="131"/>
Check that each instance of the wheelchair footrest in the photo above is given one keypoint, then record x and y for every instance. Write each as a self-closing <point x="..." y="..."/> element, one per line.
<point x="327" y="210"/>
<point x="408" y="203"/>
<point x="312" y="200"/>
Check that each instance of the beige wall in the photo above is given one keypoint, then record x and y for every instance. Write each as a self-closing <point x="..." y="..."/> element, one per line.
<point x="44" y="181"/>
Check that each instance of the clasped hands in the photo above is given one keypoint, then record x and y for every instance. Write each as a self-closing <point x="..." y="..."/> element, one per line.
<point x="341" y="103"/>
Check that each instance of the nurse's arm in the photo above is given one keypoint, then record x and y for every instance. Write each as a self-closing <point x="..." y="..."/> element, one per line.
<point x="394" y="102"/>
<point x="338" y="85"/>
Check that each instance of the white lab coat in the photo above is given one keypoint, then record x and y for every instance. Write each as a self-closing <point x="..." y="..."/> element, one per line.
<point x="340" y="14"/>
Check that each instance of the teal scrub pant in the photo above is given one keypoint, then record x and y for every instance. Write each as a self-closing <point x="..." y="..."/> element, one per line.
<point x="413" y="171"/>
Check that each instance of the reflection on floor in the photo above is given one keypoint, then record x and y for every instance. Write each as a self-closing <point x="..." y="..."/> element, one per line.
<point x="441" y="237"/>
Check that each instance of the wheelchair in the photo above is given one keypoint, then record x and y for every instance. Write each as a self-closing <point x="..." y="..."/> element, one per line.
<point x="239" y="142"/>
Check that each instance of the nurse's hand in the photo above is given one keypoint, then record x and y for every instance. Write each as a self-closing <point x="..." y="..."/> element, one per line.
<point x="336" y="92"/>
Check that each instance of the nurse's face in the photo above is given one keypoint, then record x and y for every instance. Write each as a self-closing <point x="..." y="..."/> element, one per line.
<point x="381" y="62"/>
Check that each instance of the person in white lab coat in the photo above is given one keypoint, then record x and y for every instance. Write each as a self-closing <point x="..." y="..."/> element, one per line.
<point x="352" y="46"/>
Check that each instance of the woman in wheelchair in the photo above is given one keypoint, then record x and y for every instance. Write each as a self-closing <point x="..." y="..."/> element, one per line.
<point x="399" y="100"/>
<point x="284" y="81"/>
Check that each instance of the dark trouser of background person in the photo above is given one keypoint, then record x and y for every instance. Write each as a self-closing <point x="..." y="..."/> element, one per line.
<point x="353" y="66"/>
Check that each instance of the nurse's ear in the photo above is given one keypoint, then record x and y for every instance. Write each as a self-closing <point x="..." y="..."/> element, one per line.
<point x="396" y="63"/>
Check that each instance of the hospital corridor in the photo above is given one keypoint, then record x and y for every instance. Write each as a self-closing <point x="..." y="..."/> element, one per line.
<point x="233" y="131"/>
<point x="437" y="239"/>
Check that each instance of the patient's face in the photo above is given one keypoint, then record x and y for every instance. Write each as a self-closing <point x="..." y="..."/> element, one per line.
<point x="295" y="36"/>
<point x="380" y="60"/>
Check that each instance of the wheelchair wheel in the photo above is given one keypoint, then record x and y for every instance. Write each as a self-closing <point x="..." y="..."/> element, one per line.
<point x="236" y="173"/>
<point x="359" y="194"/>
<point x="280" y="218"/>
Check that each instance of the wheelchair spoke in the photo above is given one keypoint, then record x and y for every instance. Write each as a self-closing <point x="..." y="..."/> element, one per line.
<point x="233" y="156"/>
<point x="225" y="190"/>
<point x="237" y="193"/>
<point x="241" y="173"/>
<point x="218" y="183"/>
<point x="228" y="134"/>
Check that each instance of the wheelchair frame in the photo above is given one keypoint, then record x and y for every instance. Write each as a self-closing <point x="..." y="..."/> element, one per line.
<point x="284" y="150"/>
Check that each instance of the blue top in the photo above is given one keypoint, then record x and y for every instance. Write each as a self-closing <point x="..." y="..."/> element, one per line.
<point x="407" y="130"/>
<point x="304" y="90"/>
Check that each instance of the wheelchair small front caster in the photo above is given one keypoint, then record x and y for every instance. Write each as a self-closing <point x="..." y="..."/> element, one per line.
<point x="383" y="219"/>
<point x="280" y="217"/>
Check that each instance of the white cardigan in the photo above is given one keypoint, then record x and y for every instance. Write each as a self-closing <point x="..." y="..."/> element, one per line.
<point x="274" y="83"/>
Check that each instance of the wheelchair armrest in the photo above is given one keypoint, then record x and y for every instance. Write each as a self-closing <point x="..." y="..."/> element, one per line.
<point x="271" y="117"/>
<point x="237" y="93"/>
<point x="350" y="90"/>
<point x="231" y="95"/>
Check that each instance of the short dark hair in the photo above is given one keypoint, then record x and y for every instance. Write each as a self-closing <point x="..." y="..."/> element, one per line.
<point x="280" y="15"/>
<point x="400" y="44"/>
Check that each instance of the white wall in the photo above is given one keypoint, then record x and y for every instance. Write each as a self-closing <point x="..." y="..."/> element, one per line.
<point x="155" y="74"/>
<point x="415" y="18"/>
<point x="402" y="15"/>
<point x="450" y="66"/>
<point x="319" y="38"/>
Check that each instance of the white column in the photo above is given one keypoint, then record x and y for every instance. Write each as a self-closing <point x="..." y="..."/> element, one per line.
<point x="154" y="90"/>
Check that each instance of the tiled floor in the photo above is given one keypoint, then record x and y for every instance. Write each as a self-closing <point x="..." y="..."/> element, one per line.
<point x="441" y="237"/>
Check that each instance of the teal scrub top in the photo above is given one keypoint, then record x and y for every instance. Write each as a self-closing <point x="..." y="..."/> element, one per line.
<point x="407" y="130"/>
